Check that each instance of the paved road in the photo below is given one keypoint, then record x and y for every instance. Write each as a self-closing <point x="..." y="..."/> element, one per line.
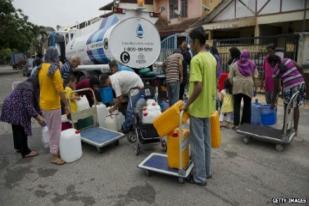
<point x="243" y="174"/>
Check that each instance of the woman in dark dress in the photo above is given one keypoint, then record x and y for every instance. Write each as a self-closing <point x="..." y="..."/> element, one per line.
<point x="18" y="109"/>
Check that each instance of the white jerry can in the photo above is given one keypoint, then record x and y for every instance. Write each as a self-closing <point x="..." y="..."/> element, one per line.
<point x="151" y="112"/>
<point x="102" y="113"/>
<point x="70" y="145"/>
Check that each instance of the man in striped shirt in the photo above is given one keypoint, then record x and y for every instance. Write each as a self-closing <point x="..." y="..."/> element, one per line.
<point x="174" y="75"/>
<point x="292" y="79"/>
<point x="68" y="68"/>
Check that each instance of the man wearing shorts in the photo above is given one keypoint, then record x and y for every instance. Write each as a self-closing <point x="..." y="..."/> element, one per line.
<point x="292" y="80"/>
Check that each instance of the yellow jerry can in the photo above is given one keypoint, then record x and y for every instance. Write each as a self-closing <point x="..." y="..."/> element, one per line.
<point x="168" y="121"/>
<point x="173" y="155"/>
<point x="215" y="131"/>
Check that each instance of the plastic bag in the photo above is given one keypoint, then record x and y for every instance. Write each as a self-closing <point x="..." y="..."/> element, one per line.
<point x="45" y="137"/>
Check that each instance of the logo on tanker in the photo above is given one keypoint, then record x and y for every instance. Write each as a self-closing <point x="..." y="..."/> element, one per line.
<point x="125" y="57"/>
<point x="140" y="31"/>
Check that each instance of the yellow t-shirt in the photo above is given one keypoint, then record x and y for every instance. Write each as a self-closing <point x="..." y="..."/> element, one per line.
<point x="50" y="88"/>
<point x="227" y="105"/>
<point x="69" y="95"/>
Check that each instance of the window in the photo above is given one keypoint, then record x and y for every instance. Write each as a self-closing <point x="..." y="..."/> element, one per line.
<point x="184" y="8"/>
<point x="173" y="7"/>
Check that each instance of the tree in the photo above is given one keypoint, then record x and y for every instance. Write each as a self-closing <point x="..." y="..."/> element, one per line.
<point x="16" y="32"/>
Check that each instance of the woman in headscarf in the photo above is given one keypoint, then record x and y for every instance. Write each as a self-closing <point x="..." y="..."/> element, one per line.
<point x="18" y="109"/>
<point x="51" y="93"/>
<point x="234" y="55"/>
<point x="242" y="75"/>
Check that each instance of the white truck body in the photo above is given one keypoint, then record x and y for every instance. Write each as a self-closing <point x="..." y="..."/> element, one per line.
<point x="130" y="38"/>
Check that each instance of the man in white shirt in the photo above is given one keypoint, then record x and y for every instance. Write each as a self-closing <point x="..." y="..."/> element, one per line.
<point x="125" y="84"/>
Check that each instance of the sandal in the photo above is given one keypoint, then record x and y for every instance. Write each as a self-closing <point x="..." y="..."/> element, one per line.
<point x="57" y="161"/>
<point x="31" y="154"/>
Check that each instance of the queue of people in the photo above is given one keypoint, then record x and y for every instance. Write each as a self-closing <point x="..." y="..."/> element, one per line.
<point x="49" y="92"/>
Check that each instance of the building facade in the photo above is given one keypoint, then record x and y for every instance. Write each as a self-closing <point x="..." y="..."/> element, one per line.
<point x="178" y="15"/>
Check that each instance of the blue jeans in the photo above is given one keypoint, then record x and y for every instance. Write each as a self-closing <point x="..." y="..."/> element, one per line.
<point x="200" y="148"/>
<point x="173" y="92"/>
<point x="128" y="123"/>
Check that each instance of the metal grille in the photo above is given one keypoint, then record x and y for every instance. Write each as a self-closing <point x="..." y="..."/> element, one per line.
<point x="257" y="47"/>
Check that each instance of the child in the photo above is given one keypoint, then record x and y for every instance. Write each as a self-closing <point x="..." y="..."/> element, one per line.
<point x="226" y="97"/>
<point x="72" y="97"/>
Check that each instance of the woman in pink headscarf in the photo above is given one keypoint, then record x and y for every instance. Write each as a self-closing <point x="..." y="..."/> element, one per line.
<point x="242" y="75"/>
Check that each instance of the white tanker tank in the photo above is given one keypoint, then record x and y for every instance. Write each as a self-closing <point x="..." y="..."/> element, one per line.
<point x="127" y="36"/>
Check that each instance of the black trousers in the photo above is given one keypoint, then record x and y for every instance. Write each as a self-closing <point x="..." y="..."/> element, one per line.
<point x="182" y="89"/>
<point x="246" y="114"/>
<point x="20" y="140"/>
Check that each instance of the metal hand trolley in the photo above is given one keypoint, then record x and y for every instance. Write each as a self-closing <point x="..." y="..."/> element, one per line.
<point x="157" y="162"/>
<point x="93" y="134"/>
<point x="144" y="133"/>
<point x="280" y="137"/>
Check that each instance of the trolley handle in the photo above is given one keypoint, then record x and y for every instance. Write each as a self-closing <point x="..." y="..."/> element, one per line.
<point x="180" y="140"/>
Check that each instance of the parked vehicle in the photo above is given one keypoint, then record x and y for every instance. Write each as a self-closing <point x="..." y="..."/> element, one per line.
<point x="18" y="60"/>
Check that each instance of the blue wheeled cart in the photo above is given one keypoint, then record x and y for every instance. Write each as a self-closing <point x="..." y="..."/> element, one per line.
<point x="157" y="163"/>
<point x="92" y="134"/>
<point x="279" y="137"/>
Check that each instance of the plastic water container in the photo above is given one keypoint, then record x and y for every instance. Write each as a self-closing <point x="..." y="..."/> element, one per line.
<point x="82" y="103"/>
<point x="150" y="102"/>
<point x="173" y="149"/>
<point x="268" y="115"/>
<point x="111" y="122"/>
<point x="107" y="95"/>
<point x="168" y="121"/>
<point x="102" y="112"/>
<point x="150" y="113"/>
<point x="120" y="121"/>
<point x="70" y="145"/>
<point x="215" y="130"/>
<point x="256" y="113"/>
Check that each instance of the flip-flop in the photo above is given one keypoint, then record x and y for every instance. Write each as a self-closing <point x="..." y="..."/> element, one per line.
<point x="57" y="161"/>
<point x="31" y="154"/>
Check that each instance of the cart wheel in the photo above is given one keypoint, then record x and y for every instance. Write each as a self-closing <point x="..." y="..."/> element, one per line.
<point x="131" y="138"/>
<point x="181" y="180"/>
<point x="246" y="140"/>
<point x="279" y="147"/>
<point x="138" y="149"/>
<point x="148" y="173"/>
<point x="163" y="145"/>
<point x="116" y="143"/>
